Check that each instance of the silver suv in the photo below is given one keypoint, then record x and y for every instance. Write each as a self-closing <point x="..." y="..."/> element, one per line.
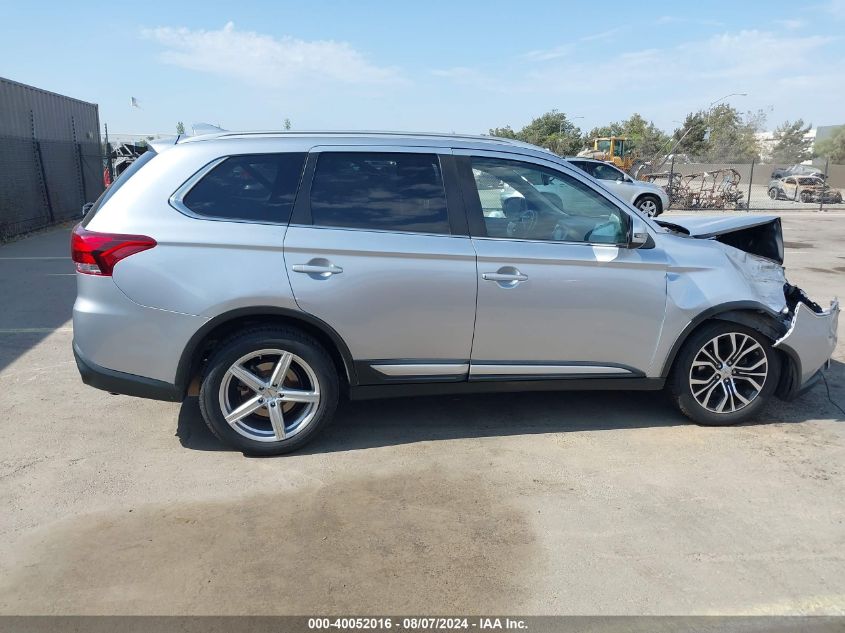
<point x="271" y="273"/>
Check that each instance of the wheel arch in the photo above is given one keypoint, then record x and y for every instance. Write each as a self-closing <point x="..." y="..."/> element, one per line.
<point x="203" y="341"/>
<point x="654" y="197"/>
<point x="751" y="314"/>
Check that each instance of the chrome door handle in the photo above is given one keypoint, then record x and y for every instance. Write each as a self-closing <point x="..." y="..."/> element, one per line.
<point x="311" y="269"/>
<point x="317" y="268"/>
<point x="504" y="277"/>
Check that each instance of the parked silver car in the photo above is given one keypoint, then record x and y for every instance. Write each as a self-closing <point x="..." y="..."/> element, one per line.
<point x="649" y="198"/>
<point x="271" y="273"/>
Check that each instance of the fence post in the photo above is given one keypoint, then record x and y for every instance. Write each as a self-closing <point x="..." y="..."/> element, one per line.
<point x="671" y="178"/>
<point x="79" y="167"/>
<point x="82" y="173"/>
<point x="109" y="165"/>
<point x="39" y="161"/>
<point x="750" y="178"/>
<point x="824" y="184"/>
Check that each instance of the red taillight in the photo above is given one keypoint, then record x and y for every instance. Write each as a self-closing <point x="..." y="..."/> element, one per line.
<point x="97" y="253"/>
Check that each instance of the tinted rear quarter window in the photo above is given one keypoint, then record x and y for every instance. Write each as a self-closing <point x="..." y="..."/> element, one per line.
<point x="379" y="191"/>
<point x="250" y="188"/>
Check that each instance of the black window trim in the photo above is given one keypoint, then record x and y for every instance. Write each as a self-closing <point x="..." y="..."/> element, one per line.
<point x="455" y="209"/>
<point x="177" y="199"/>
<point x="475" y="214"/>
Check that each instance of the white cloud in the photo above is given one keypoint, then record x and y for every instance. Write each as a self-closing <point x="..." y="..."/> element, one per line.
<point x="603" y="35"/>
<point x="837" y="8"/>
<point x="544" y="55"/>
<point x="264" y="60"/>
<point x="791" y="24"/>
<point x="780" y="70"/>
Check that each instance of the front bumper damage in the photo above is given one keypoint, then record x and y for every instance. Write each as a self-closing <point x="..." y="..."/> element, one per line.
<point x="809" y="342"/>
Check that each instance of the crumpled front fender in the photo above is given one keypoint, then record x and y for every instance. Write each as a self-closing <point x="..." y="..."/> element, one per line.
<point x="811" y="338"/>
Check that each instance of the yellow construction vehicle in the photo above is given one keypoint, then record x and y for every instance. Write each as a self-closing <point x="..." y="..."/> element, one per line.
<point x="611" y="149"/>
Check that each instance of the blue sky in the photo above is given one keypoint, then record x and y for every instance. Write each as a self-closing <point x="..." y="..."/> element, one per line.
<point x="434" y="65"/>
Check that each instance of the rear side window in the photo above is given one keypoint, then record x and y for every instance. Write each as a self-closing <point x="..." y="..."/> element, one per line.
<point x="379" y="191"/>
<point x="253" y="188"/>
<point x="121" y="180"/>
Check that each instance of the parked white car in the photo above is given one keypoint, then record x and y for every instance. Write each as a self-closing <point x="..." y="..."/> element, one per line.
<point x="647" y="197"/>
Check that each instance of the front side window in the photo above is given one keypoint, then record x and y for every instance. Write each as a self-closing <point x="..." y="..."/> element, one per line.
<point x="379" y="191"/>
<point x="536" y="203"/>
<point x="603" y="171"/>
<point x="253" y="188"/>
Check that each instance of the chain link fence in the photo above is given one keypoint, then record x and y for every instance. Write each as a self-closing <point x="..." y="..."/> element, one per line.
<point x="45" y="182"/>
<point x="695" y="185"/>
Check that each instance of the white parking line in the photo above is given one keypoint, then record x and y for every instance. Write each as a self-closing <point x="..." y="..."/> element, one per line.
<point x="34" y="330"/>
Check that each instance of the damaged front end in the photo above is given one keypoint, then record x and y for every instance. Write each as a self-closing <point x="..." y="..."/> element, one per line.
<point x="804" y="331"/>
<point x="809" y="341"/>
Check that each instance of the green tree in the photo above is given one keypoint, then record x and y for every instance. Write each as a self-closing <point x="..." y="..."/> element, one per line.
<point x="692" y="134"/>
<point x="791" y="142"/>
<point x="721" y="134"/>
<point x="503" y="132"/>
<point x="180" y="128"/>
<point x="287" y="124"/>
<point x="551" y="130"/>
<point x="833" y="147"/>
<point x="644" y="136"/>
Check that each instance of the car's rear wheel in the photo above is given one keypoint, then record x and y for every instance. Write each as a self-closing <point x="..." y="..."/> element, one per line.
<point x="724" y="374"/>
<point x="806" y="197"/>
<point x="773" y="193"/>
<point x="650" y="205"/>
<point x="268" y="391"/>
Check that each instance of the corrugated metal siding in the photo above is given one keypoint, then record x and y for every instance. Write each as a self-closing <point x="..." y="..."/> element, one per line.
<point x="46" y="174"/>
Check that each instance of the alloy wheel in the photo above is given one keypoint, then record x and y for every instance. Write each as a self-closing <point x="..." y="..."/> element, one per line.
<point x="649" y="207"/>
<point x="728" y="372"/>
<point x="269" y="395"/>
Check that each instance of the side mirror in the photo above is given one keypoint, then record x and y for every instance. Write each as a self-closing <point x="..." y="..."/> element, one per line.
<point x="86" y="208"/>
<point x="638" y="233"/>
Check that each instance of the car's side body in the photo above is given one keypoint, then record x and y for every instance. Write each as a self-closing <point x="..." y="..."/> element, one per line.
<point x="445" y="309"/>
<point x="804" y="189"/>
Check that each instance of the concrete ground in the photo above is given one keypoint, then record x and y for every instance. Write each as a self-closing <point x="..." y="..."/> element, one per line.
<point x="579" y="503"/>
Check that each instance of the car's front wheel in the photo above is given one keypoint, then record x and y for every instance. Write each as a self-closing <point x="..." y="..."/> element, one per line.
<point x="773" y="193"/>
<point x="724" y="374"/>
<point x="650" y="205"/>
<point x="268" y="391"/>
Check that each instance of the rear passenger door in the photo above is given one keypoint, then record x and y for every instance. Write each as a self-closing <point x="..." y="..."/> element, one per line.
<point x="378" y="248"/>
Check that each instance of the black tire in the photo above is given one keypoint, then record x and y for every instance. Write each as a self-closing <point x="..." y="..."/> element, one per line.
<point x="805" y="197"/>
<point x="773" y="193"/>
<point x="241" y="344"/>
<point x="680" y="388"/>
<point x="643" y="201"/>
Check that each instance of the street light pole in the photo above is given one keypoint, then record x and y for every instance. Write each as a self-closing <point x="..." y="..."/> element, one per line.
<point x="560" y="128"/>
<point x="713" y="104"/>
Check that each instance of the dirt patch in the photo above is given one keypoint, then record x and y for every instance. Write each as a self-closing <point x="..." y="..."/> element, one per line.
<point x="374" y="545"/>
<point x="798" y="245"/>
<point x="820" y="270"/>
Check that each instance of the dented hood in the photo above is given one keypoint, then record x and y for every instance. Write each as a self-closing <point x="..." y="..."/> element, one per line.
<point x="759" y="235"/>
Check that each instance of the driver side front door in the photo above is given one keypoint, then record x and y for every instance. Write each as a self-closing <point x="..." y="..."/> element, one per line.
<point x="559" y="297"/>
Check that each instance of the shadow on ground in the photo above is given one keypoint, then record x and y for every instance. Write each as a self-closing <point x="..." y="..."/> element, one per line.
<point x="376" y="423"/>
<point x="38" y="287"/>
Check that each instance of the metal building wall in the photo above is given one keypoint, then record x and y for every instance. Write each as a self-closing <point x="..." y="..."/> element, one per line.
<point x="50" y="157"/>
